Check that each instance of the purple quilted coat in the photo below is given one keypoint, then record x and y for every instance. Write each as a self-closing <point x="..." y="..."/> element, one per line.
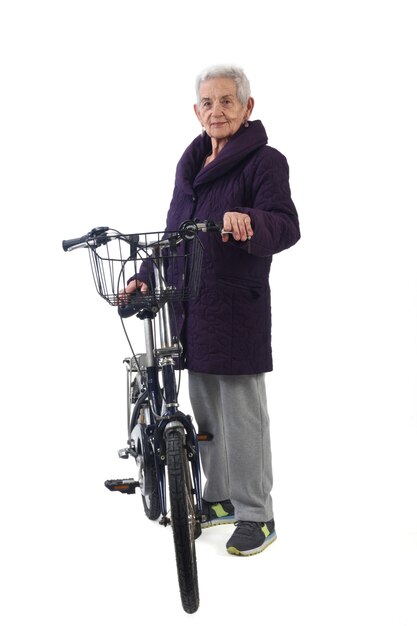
<point x="227" y="330"/>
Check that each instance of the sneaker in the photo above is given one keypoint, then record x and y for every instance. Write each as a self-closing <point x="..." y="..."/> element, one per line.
<point x="215" y="513"/>
<point x="251" y="537"/>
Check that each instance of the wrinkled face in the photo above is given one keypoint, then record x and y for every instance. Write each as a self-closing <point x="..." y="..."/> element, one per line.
<point x="220" y="112"/>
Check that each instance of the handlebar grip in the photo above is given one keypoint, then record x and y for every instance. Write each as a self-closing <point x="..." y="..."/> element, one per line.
<point x="69" y="243"/>
<point x="97" y="234"/>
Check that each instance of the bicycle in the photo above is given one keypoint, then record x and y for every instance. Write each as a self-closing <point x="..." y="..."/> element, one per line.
<point x="161" y="439"/>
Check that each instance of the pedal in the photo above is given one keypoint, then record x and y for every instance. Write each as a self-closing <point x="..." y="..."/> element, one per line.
<point x="124" y="485"/>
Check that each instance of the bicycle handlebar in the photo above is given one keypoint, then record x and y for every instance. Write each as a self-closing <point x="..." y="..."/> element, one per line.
<point x="100" y="235"/>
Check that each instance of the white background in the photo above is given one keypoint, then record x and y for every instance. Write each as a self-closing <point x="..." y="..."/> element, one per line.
<point x="96" y="108"/>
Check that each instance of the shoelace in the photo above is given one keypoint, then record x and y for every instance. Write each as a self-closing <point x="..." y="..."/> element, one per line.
<point x="248" y="527"/>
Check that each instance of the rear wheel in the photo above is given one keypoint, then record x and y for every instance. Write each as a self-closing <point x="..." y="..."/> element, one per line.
<point x="148" y="481"/>
<point x="184" y="524"/>
<point x="151" y="504"/>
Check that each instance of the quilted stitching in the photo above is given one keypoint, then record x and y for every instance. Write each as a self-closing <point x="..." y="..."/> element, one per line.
<point x="228" y="329"/>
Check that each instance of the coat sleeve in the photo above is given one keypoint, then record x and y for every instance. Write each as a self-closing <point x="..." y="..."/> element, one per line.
<point x="273" y="214"/>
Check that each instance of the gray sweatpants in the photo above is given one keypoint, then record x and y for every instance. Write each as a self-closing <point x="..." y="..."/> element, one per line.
<point x="237" y="463"/>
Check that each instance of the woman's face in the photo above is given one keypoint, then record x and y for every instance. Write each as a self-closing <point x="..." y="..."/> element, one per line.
<point x="220" y="112"/>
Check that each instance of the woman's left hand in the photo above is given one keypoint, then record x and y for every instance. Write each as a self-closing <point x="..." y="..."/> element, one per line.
<point x="238" y="224"/>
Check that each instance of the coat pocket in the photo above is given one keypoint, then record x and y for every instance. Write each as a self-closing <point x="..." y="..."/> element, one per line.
<point x="251" y="288"/>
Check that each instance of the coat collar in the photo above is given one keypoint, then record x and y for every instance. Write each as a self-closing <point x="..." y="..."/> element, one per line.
<point x="190" y="173"/>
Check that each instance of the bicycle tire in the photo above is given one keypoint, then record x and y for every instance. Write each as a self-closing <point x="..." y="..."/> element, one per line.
<point x="183" y="519"/>
<point x="151" y="502"/>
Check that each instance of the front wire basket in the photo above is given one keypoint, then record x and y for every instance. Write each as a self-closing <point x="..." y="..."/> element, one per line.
<point x="171" y="270"/>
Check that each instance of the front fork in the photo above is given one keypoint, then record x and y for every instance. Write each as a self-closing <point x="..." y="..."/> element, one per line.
<point x="182" y="422"/>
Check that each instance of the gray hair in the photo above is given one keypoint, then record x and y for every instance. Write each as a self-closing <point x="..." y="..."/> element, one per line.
<point x="226" y="71"/>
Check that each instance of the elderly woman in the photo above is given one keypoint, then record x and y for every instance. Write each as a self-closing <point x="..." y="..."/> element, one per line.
<point x="230" y="174"/>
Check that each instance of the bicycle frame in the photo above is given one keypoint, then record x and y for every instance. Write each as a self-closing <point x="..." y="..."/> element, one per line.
<point x="161" y="403"/>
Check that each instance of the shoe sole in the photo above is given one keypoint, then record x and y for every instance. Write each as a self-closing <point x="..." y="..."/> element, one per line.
<point x="261" y="548"/>
<point x="218" y="522"/>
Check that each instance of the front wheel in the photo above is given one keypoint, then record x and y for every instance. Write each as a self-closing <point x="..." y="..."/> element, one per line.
<point x="184" y="524"/>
